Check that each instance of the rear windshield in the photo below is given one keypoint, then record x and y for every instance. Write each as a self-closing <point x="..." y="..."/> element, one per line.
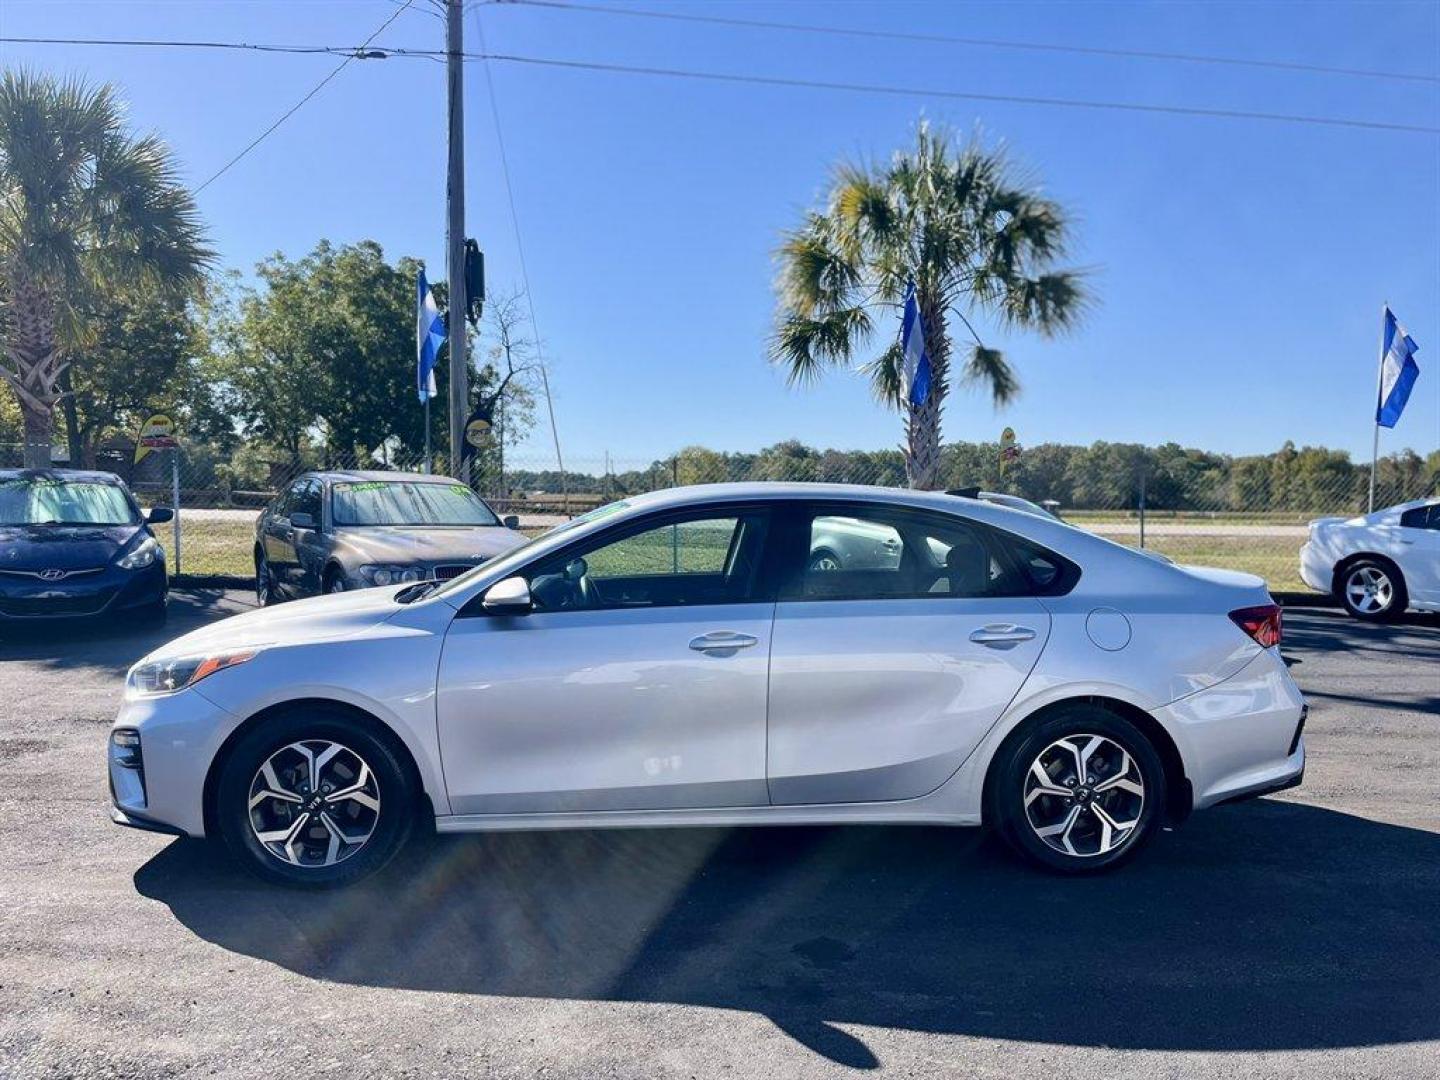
<point x="47" y="501"/>
<point x="399" y="502"/>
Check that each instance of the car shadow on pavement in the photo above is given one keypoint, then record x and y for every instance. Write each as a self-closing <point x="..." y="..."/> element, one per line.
<point x="115" y="642"/>
<point x="1269" y="925"/>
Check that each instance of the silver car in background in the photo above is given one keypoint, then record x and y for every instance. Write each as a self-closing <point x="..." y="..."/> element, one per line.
<point x="330" y="532"/>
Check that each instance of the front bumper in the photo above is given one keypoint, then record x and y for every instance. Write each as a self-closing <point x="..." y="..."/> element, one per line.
<point x="179" y="736"/>
<point x="111" y="591"/>
<point x="1241" y="737"/>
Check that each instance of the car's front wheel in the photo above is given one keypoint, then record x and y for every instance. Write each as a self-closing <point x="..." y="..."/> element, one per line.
<point x="265" y="592"/>
<point x="313" y="798"/>
<point x="1372" y="590"/>
<point x="1082" y="791"/>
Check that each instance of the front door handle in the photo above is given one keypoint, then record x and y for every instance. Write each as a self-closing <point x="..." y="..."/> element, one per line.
<point x="1002" y="635"/>
<point x="722" y="641"/>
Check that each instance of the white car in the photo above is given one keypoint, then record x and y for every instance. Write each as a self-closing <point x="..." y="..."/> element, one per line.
<point x="1377" y="565"/>
<point x="677" y="660"/>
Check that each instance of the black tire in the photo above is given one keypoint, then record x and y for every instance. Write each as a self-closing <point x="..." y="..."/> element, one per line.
<point x="265" y="594"/>
<point x="393" y="788"/>
<point x="333" y="576"/>
<point x="1013" y="780"/>
<point x="1382" y="606"/>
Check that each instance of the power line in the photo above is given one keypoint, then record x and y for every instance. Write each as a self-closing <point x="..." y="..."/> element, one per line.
<point x="520" y="251"/>
<point x="359" y="52"/>
<point x="912" y="91"/>
<point x="312" y="50"/>
<point x="989" y="43"/>
<point x="301" y="103"/>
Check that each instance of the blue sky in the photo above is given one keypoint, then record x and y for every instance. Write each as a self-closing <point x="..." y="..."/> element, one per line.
<point x="1239" y="264"/>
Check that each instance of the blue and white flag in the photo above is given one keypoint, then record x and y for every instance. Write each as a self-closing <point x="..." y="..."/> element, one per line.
<point x="912" y="348"/>
<point x="429" y="336"/>
<point x="1398" y="371"/>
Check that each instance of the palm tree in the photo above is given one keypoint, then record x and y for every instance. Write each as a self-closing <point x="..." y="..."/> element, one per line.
<point x="85" y="208"/>
<point x="967" y="231"/>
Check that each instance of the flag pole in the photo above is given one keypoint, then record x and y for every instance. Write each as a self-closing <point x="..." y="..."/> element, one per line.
<point x="1379" y="385"/>
<point x="428" y="468"/>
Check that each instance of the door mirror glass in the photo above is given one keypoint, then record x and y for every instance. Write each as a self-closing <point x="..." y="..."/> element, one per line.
<point x="508" y="597"/>
<point x="302" y="520"/>
<point x="159" y="515"/>
<point x="511" y="521"/>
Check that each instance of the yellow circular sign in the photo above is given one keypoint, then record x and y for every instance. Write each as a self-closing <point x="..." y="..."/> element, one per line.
<point x="477" y="433"/>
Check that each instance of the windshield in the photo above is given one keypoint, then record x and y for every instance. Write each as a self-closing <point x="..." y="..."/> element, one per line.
<point x="401" y="502"/>
<point x="49" y="501"/>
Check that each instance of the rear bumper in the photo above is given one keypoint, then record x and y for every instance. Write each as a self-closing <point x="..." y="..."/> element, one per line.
<point x="1316" y="568"/>
<point x="1242" y="737"/>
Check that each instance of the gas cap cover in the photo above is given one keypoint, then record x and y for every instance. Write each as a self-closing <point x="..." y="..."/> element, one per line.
<point x="1108" y="629"/>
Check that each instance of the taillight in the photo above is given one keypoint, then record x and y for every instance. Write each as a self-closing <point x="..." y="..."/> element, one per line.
<point x="1262" y="623"/>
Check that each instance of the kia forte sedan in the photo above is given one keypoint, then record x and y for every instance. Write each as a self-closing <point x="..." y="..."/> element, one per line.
<point x="330" y="532"/>
<point x="75" y="544"/>
<point x="678" y="659"/>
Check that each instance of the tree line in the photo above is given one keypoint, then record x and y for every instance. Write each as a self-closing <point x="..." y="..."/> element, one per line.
<point x="1103" y="475"/>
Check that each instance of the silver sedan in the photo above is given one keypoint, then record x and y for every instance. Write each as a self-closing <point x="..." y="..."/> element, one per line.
<point x="680" y="659"/>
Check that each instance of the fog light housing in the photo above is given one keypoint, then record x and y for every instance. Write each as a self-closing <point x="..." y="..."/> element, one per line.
<point x="127" y="768"/>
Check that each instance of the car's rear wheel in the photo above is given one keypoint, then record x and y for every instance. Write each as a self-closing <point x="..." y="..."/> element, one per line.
<point x="313" y="798"/>
<point x="1080" y="792"/>
<point x="1372" y="590"/>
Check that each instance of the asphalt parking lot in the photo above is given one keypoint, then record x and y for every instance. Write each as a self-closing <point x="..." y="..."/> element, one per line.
<point x="1293" y="935"/>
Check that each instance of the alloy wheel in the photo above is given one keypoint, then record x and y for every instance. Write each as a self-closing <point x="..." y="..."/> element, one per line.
<point x="1084" y="795"/>
<point x="314" y="803"/>
<point x="824" y="562"/>
<point x="1369" y="590"/>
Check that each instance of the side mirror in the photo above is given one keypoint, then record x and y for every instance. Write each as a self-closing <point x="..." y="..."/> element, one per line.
<point x="511" y="521"/>
<point x="159" y="515"/>
<point x="508" y="597"/>
<point x="302" y="520"/>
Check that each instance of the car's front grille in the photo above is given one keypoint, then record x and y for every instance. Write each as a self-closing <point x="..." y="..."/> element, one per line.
<point x="447" y="571"/>
<point x="40" y="606"/>
<point x="53" y="575"/>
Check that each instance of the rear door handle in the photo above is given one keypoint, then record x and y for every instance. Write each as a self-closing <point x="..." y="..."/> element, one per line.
<point x="1002" y="635"/>
<point x="722" y="641"/>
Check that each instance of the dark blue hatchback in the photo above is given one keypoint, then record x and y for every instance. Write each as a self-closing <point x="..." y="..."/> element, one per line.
<point x="76" y="544"/>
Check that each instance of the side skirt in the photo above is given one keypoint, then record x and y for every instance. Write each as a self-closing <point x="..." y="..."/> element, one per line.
<point x="836" y="814"/>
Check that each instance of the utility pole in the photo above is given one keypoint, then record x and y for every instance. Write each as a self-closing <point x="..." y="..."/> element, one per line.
<point x="455" y="232"/>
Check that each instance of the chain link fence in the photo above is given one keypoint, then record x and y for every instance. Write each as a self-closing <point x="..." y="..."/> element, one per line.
<point x="1244" y="513"/>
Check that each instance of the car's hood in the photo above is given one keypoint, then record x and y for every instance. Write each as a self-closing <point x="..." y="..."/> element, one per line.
<point x="320" y="618"/>
<point x="415" y="544"/>
<point x="62" y="547"/>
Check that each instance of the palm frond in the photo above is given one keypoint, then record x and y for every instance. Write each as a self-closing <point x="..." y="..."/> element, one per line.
<point x="1050" y="303"/>
<point x="805" y="347"/>
<point x="887" y="375"/>
<point x="815" y="275"/>
<point x="988" y="369"/>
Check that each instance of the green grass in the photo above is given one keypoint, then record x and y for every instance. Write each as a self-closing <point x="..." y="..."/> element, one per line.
<point x="224" y="548"/>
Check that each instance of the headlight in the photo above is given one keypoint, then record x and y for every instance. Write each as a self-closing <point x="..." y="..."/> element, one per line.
<point x="145" y="553"/>
<point x="390" y="575"/>
<point x="171" y="676"/>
